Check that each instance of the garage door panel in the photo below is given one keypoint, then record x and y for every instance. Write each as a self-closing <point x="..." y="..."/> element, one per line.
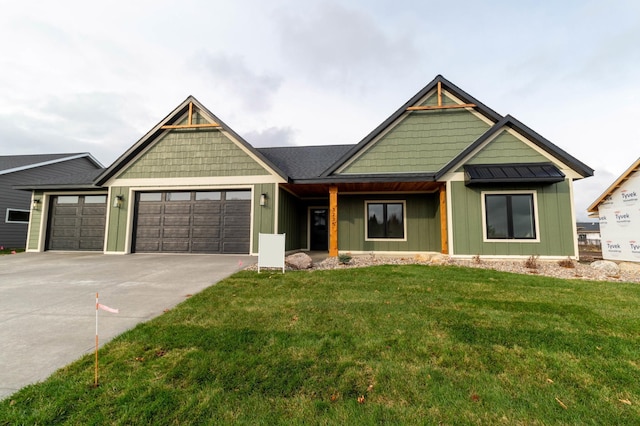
<point x="214" y="220"/>
<point x="177" y="246"/>
<point x="77" y="222"/>
<point x="195" y="224"/>
<point x="235" y="247"/>
<point x="175" y="232"/>
<point x="65" y="210"/>
<point x="93" y="211"/>
<point x="149" y="221"/>
<point x="90" y="244"/>
<point x="147" y="208"/>
<point x="209" y="208"/>
<point x="235" y="221"/>
<point x="206" y="232"/>
<point x="91" y="232"/>
<point x="206" y="246"/>
<point x="72" y="222"/>
<point x="148" y="233"/>
<point x="176" y="220"/>
<point x="96" y="222"/>
<point x="65" y="232"/>
<point x="148" y="246"/>
<point x="177" y="209"/>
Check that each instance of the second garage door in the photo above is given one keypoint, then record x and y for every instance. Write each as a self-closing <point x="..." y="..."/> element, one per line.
<point x="193" y="222"/>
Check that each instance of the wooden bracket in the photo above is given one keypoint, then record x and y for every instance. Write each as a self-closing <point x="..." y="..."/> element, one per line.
<point x="190" y="124"/>
<point x="440" y="106"/>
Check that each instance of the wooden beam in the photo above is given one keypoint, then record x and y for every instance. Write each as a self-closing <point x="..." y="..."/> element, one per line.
<point x="333" y="221"/>
<point x="444" y="234"/>
<point x="439" y="93"/>
<point x="190" y="113"/>
<point x="432" y="107"/>
<point x="191" y="126"/>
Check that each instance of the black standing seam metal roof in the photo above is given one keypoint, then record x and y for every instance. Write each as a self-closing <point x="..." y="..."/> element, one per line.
<point x="513" y="173"/>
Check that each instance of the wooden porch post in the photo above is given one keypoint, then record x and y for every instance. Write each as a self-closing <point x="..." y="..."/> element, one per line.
<point x="444" y="234"/>
<point x="333" y="221"/>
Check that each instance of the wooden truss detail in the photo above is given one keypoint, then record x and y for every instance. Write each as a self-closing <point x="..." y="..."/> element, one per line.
<point x="439" y="106"/>
<point x="190" y="124"/>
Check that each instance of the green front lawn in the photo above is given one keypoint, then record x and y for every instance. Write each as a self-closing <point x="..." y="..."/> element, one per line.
<point x="387" y="344"/>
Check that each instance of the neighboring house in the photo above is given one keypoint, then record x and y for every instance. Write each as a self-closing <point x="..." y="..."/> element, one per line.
<point x="618" y="210"/>
<point x="588" y="233"/>
<point x="15" y="205"/>
<point x="444" y="173"/>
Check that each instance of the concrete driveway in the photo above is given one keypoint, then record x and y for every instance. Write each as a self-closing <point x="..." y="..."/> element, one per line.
<point x="47" y="302"/>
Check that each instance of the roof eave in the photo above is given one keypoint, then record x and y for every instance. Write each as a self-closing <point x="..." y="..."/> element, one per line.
<point x="593" y="208"/>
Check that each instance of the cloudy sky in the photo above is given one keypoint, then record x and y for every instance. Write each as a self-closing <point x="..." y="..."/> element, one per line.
<point x="82" y="76"/>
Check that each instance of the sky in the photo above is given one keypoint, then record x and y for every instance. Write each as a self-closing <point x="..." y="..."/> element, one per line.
<point x="82" y="76"/>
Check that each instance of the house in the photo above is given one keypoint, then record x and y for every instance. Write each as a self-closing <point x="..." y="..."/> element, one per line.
<point x="618" y="211"/>
<point x="444" y="173"/>
<point x="15" y="205"/>
<point x="588" y="233"/>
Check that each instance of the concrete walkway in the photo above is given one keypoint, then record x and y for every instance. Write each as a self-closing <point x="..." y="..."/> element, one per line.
<point x="47" y="302"/>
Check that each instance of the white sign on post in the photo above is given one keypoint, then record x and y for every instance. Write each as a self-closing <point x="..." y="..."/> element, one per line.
<point x="271" y="251"/>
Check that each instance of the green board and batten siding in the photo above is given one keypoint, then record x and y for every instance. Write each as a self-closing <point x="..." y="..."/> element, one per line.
<point x="555" y="223"/>
<point x="423" y="223"/>
<point x="35" y="223"/>
<point x="424" y="141"/>
<point x="292" y="220"/>
<point x="117" y="224"/>
<point x="193" y="153"/>
<point x="264" y="216"/>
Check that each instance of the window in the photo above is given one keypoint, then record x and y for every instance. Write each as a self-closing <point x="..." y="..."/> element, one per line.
<point x="208" y="195"/>
<point x="95" y="199"/>
<point x="178" y="196"/>
<point x="385" y="220"/>
<point x="150" y="196"/>
<point x="17" y="216"/>
<point x="510" y="216"/>
<point x="68" y="199"/>
<point x="238" y="195"/>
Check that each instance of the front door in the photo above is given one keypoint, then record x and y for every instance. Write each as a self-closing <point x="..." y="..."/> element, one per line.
<point x="319" y="229"/>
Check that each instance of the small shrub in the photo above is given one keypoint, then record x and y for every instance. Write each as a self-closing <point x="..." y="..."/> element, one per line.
<point x="344" y="258"/>
<point x="531" y="262"/>
<point x="566" y="263"/>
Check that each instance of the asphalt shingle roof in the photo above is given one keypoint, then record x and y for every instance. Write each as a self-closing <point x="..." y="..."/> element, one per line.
<point x="8" y="162"/>
<point x="304" y="162"/>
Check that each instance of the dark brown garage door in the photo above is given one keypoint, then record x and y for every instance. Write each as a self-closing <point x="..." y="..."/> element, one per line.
<point x="77" y="222"/>
<point x="193" y="222"/>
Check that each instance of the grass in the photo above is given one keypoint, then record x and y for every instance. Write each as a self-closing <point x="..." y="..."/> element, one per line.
<point x="387" y="344"/>
<point x="5" y="250"/>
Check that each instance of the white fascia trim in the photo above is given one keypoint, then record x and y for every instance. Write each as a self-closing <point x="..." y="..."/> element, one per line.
<point x="197" y="181"/>
<point x="449" y="218"/>
<point x="47" y="163"/>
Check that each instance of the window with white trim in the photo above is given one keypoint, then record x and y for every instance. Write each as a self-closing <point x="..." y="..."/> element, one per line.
<point x="385" y="220"/>
<point x="17" y="216"/>
<point x="510" y="216"/>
